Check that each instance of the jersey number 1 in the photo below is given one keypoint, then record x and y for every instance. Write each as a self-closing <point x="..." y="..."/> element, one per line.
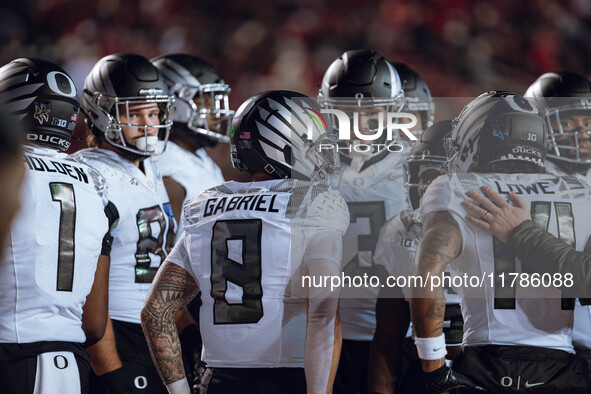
<point x="64" y="194"/>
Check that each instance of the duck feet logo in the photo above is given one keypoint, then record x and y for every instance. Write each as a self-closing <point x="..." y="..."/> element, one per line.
<point x="41" y="113"/>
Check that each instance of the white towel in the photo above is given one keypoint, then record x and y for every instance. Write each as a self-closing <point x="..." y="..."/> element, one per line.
<point x="57" y="372"/>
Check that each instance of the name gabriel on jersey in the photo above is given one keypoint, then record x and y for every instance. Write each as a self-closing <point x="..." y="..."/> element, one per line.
<point x="261" y="203"/>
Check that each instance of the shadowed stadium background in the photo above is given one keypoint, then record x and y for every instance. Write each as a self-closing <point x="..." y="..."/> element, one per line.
<point x="460" y="47"/>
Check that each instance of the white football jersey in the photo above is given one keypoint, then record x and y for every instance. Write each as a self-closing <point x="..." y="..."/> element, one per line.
<point x="556" y="169"/>
<point x="212" y="168"/>
<point x="144" y="235"/>
<point x="582" y="324"/>
<point x="51" y="257"/>
<point x="396" y="250"/>
<point x="374" y="195"/>
<point x="195" y="172"/>
<point x="528" y="316"/>
<point x="244" y="243"/>
<point x="397" y="245"/>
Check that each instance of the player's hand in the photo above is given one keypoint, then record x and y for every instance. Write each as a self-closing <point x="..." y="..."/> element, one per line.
<point x="444" y="380"/>
<point x="495" y="215"/>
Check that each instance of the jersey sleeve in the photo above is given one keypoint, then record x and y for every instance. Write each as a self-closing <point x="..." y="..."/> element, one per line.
<point x="437" y="196"/>
<point x="324" y="225"/>
<point x="179" y="255"/>
<point x="110" y="210"/>
<point x="98" y="180"/>
<point x="191" y="211"/>
<point x="446" y="194"/>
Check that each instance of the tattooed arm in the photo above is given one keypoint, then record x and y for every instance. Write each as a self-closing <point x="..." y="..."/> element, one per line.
<point x="440" y="244"/>
<point x="173" y="288"/>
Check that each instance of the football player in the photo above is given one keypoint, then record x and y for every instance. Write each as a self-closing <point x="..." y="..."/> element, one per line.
<point x="393" y="360"/>
<point x="367" y="88"/>
<point x="53" y="276"/>
<point x="128" y="112"/>
<point x="201" y="118"/>
<point x="515" y="337"/>
<point x="417" y="99"/>
<point x="11" y="171"/>
<point x="565" y="97"/>
<point x="246" y="247"/>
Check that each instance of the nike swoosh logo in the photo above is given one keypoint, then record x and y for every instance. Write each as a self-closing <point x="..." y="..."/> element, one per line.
<point x="528" y="384"/>
<point x="439" y="348"/>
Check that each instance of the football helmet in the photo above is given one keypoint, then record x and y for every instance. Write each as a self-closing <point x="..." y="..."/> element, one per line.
<point x="117" y="83"/>
<point x="428" y="153"/>
<point x="417" y="96"/>
<point x="496" y="127"/>
<point x="201" y="107"/>
<point x="43" y="99"/>
<point x="560" y="95"/>
<point x="283" y="134"/>
<point x="362" y="81"/>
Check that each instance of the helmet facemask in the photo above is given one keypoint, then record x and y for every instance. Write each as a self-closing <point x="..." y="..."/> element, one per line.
<point x="115" y="113"/>
<point x="368" y="121"/>
<point x="205" y="109"/>
<point x="424" y="111"/>
<point x="569" y="140"/>
<point x="415" y="167"/>
<point x="327" y="161"/>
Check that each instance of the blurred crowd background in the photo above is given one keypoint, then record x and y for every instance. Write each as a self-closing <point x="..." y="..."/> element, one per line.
<point x="460" y="47"/>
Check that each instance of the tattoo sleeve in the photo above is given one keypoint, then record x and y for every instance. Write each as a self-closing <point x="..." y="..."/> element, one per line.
<point x="173" y="288"/>
<point x="440" y="244"/>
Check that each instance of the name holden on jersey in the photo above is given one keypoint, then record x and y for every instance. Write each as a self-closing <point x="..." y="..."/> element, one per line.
<point x="39" y="164"/>
<point x="343" y="123"/>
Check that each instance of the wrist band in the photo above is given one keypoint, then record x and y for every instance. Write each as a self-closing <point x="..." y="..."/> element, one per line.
<point x="431" y="348"/>
<point x="179" y="387"/>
